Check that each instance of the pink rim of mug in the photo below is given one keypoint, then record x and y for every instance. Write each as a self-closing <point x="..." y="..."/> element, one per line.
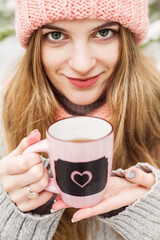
<point x="92" y="140"/>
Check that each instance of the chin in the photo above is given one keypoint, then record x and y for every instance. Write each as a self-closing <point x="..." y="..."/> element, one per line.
<point x="83" y="98"/>
<point x="83" y="101"/>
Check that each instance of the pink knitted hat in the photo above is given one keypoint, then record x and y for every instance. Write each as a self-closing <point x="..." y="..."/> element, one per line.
<point x="32" y="14"/>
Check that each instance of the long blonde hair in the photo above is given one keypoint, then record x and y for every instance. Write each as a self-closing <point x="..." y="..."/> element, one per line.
<point x="133" y="95"/>
<point x="134" y="100"/>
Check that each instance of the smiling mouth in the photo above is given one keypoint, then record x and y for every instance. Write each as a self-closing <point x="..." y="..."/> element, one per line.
<point x="85" y="82"/>
<point x="83" y="79"/>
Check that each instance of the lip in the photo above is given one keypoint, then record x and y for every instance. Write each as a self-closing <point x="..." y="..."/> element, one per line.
<point x="85" y="82"/>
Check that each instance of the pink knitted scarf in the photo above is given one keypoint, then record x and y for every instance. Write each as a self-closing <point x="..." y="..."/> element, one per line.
<point x="101" y="112"/>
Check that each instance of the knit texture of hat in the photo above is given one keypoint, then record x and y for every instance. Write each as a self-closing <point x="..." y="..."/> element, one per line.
<point x="32" y="14"/>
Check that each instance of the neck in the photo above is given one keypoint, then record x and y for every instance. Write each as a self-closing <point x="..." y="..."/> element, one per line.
<point x="75" y="109"/>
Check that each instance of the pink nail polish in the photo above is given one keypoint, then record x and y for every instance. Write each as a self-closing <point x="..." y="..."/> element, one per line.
<point x="52" y="210"/>
<point x="73" y="220"/>
<point x="35" y="130"/>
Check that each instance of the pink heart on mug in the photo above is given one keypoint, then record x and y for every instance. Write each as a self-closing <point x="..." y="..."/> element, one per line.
<point x="75" y="173"/>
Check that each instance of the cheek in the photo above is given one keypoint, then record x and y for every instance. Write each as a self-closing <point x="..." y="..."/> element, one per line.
<point x="115" y="52"/>
<point x="50" y="60"/>
<point x="111" y="56"/>
<point x="45" y="57"/>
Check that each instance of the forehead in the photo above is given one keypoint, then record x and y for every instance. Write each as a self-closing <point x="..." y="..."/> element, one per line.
<point x="87" y="24"/>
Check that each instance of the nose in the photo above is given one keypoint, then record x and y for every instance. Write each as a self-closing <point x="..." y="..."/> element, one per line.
<point x="81" y="60"/>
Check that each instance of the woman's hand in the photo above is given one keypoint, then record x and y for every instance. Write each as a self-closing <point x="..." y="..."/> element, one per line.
<point x="18" y="171"/>
<point x="120" y="192"/>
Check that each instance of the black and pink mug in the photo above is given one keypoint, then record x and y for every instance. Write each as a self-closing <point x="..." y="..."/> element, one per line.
<point x="80" y="151"/>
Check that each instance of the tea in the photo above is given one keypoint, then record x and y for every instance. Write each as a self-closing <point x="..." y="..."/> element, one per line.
<point x="81" y="140"/>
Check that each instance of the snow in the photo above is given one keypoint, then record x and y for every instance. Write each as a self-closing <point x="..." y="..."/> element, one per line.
<point x="153" y="32"/>
<point x="10" y="53"/>
<point x="8" y="5"/>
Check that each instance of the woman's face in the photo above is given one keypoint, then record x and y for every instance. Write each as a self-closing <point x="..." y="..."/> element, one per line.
<point x="79" y="57"/>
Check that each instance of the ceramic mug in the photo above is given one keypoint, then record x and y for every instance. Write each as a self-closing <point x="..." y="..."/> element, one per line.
<point x="80" y="151"/>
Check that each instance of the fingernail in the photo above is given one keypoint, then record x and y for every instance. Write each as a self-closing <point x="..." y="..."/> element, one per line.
<point x="52" y="210"/>
<point x="35" y="130"/>
<point x="131" y="174"/>
<point x="73" y="220"/>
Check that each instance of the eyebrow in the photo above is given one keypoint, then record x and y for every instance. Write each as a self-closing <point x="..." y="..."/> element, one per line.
<point x="104" y="25"/>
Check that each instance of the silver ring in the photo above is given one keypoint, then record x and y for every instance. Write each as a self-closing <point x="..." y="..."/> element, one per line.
<point x="32" y="195"/>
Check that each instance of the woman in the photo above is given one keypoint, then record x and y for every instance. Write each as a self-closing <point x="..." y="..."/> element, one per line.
<point x="82" y="58"/>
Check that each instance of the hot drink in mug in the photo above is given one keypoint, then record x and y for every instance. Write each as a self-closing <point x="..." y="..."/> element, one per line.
<point x="80" y="151"/>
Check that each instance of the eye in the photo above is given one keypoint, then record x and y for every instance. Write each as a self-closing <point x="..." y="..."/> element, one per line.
<point x="104" y="33"/>
<point x="55" y="36"/>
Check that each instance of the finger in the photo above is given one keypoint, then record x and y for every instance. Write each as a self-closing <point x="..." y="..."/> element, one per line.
<point x="32" y="204"/>
<point x="34" y="137"/>
<point x="58" y="197"/>
<point x="135" y="175"/>
<point x="33" y="175"/>
<point x="103" y="207"/>
<point x="59" y="205"/>
<point x="125" y="198"/>
<point x="19" y="195"/>
<point x="117" y="182"/>
<point x="12" y="165"/>
<point x="22" y="194"/>
<point x="41" y="185"/>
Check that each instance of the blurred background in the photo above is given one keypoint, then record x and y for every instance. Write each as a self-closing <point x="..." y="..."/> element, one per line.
<point x="11" y="51"/>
